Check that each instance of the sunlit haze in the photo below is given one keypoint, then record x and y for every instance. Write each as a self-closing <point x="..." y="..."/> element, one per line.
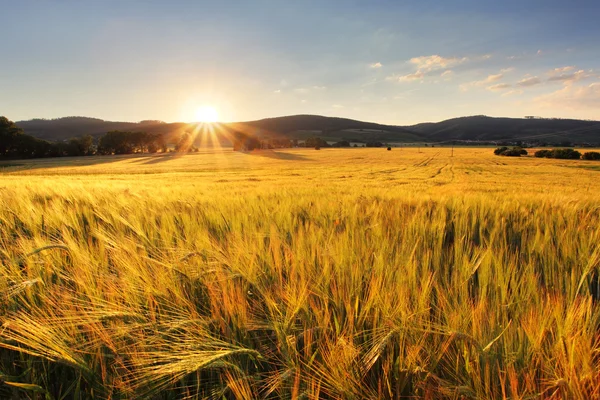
<point x="384" y="61"/>
<point x="206" y="114"/>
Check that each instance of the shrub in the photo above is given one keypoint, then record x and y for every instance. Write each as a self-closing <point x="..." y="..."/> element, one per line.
<point x="389" y="148"/>
<point x="591" y="155"/>
<point x="566" y="154"/>
<point x="511" y="153"/>
<point x="317" y="148"/>
<point x="514" y="152"/>
<point x="543" y="154"/>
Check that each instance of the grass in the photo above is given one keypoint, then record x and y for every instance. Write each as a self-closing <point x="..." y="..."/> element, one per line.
<point x="350" y="274"/>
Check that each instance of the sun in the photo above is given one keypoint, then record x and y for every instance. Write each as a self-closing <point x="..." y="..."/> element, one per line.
<point x="207" y="114"/>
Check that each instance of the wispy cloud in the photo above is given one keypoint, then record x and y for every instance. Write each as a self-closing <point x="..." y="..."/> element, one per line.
<point x="493" y="78"/>
<point x="412" y="77"/>
<point x="561" y="70"/>
<point x="435" y="62"/>
<point x="529" y="81"/>
<point x="376" y="65"/>
<point x="426" y="65"/>
<point x="572" y="97"/>
<point x="500" y="86"/>
<point x="565" y="75"/>
<point x="489" y="79"/>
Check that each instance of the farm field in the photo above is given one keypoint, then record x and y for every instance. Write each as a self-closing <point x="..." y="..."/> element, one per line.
<point x="335" y="274"/>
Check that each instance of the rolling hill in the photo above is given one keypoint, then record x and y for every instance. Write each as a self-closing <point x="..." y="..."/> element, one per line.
<point x="483" y="128"/>
<point x="476" y="128"/>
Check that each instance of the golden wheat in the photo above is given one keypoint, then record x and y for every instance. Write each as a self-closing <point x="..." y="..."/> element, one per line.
<point x="354" y="274"/>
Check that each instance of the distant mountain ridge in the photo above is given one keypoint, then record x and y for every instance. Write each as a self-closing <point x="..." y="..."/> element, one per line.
<point x="483" y="128"/>
<point x="474" y="128"/>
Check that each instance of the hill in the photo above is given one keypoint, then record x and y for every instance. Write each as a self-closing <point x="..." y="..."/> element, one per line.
<point x="292" y="127"/>
<point x="476" y="128"/>
<point x="483" y="128"/>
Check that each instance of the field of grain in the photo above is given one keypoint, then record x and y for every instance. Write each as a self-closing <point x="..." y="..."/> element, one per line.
<point x="332" y="274"/>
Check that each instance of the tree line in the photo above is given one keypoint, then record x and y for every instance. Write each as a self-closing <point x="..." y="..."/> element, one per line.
<point x="563" y="154"/>
<point x="14" y="143"/>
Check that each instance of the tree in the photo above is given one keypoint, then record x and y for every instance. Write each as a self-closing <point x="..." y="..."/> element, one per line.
<point x="185" y="143"/>
<point x="9" y="133"/>
<point x="316" y="142"/>
<point x="564" y="154"/>
<point x="591" y="155"/>
<point x="343" y="143"/>
<point x="543" y="153"/>
<point x="80" y="146"/>
<point x="116" y="142"/>
<point x="514" y="152"/>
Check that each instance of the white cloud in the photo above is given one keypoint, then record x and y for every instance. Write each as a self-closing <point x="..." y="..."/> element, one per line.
<point x="572" y="97"/>
<point x="448" y="73"/>
<point x="338" y="106"/>
<point x="529" y="81"/>
<point x="277" y="91"/>
<point x="412" y="77"/>
<point x="435" y="62"/>
<point x="493" y="78"/>
<point x="376" y="65"/>
<point x="490" y="79"/>
<point x="559" y="75"/>
<point x="500" y="86"/>
<point x="427" y="65"/>
<point x="561" y="70"/>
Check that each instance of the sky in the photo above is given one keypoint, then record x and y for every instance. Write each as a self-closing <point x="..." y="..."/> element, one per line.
<point x="393" y="62"/>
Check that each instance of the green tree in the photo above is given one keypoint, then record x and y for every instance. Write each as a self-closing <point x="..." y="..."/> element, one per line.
<point x="9" y="134"/>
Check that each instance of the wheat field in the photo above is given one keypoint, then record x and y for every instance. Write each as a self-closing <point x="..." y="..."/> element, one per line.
<point x="300" y="274"/>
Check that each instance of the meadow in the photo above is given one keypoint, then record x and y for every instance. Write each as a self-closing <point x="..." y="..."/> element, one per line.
<point x="331" y="274"/>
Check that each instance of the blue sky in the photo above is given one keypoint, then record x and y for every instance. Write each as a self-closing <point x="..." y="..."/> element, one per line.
<point x="397" y="62"/>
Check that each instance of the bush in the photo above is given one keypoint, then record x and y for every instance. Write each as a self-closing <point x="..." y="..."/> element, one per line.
<point x="543" y="154"/>
<point x="563" y="154"/>
<point x="591" y="155"/>
<point x="566" y="154"/>
<point x="514" y="152"/>
<point x="511" y="153"/>
<point x="389" y="148"/>
<point x="317" y="148"/>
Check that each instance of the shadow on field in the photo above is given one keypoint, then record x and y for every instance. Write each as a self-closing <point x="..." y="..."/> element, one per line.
<point x="278" y="155"/>
<point x="158" y="158"/>
<point x="9" y="166"/>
